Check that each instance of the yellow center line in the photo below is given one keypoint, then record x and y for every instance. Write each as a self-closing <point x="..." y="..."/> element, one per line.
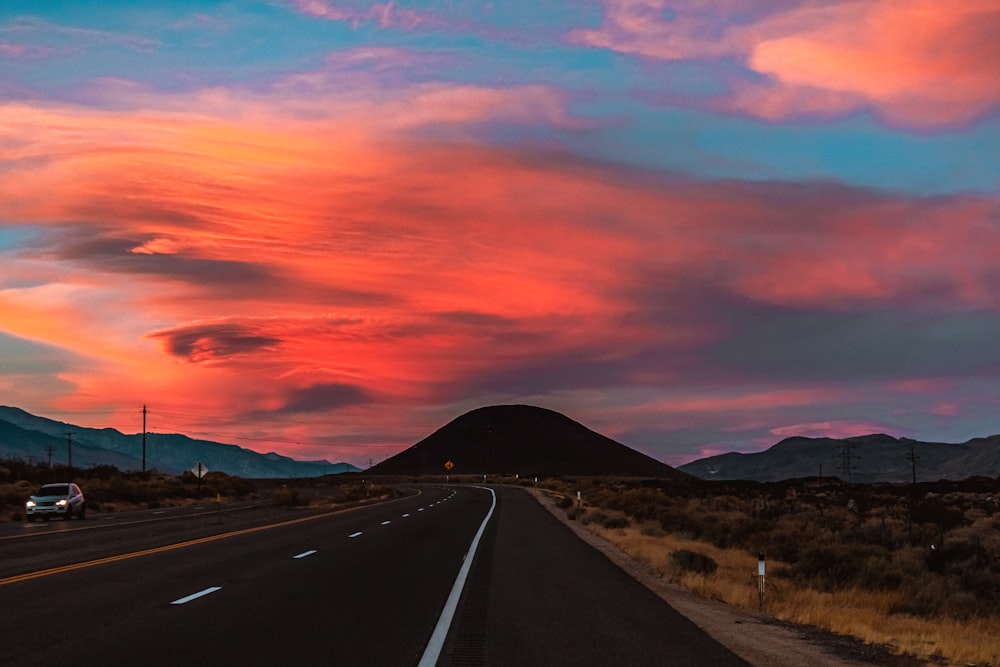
<point x="180" y="545"/>
<point x="156" y="550"/>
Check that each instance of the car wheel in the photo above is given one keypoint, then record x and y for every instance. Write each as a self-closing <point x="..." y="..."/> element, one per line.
<point x="31" y="519"/>
<point x="69" y="513"/>
<point x="83" y="512"/>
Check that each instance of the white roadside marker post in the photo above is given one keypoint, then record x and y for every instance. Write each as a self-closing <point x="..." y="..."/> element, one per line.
<point x="760" y="580"/>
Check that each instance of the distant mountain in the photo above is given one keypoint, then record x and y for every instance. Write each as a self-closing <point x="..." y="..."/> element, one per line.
<point x="25" y="436"/>
<point x="525" y="440"/>
<point x="872" y="458"/>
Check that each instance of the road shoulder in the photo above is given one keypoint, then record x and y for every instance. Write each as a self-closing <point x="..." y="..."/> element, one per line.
<point x="757" y="639"/>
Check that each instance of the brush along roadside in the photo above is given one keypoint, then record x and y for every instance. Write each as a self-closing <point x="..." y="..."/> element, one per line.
<point x="844" y="628"/>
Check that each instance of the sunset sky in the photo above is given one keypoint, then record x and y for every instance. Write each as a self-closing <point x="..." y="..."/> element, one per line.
<point x="327" y="228"/>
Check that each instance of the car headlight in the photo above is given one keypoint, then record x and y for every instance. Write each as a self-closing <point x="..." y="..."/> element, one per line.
<point x="30" y="503"/>
<point x="61" y="502"/>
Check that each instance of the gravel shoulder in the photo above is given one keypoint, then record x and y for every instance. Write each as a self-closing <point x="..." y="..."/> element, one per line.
<point x="761" y="641"/>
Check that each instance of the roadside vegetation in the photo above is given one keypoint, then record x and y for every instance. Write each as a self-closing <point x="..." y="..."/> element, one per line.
<point x="915" y="568"/>
<point x="108" y="489"/>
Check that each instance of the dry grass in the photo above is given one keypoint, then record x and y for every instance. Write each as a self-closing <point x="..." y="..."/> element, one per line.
<point x="859" y="613"/>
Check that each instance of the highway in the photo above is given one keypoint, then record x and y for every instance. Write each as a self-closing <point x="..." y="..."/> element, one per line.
<point x="364" y="587"/>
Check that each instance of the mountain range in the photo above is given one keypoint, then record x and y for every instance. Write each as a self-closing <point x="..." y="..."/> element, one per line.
<point x="25" y="436"/>
<point x="509" y="439"/>
<point x="524" y="440"/>
<point x="869" y="458"/>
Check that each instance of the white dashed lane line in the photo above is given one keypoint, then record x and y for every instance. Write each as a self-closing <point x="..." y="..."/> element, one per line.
<point x="304" y="554"/>
<point x="195" y="596"/>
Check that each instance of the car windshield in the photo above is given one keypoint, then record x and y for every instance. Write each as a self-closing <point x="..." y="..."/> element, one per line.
<point x="53" y="490"/>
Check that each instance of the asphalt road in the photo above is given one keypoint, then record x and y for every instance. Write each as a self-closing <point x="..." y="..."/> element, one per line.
<point x="364" y="587"/>
<point x="538" y="595"/>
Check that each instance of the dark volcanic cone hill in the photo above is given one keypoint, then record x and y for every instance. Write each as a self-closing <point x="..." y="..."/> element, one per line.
<point x="524" y="440"/>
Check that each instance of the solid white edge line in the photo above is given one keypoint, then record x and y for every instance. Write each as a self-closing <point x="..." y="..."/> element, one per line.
<point x="436" y="643"/>
<point x="195" y="596"/>
<point x="305" y="553"/>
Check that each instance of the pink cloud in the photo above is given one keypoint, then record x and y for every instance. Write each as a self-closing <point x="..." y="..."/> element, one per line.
<point x="920" y="63"/>
<point x="829" y="429"/>
<point x="920" y="385"/>
<point x="946" y="409"/>
<point x="13" y="50"/>
<point x="384" y="14"/>
<point x="226" y="251"/>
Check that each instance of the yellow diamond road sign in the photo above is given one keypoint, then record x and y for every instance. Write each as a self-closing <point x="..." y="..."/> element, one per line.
<point x="449" y="465"/>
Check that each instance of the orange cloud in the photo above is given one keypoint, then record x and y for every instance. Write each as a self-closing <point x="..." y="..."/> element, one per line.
<point x="919" y="63"/>
<point x="325" y="256"/>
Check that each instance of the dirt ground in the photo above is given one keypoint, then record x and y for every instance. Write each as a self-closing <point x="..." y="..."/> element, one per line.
<point x="761" y="641"/>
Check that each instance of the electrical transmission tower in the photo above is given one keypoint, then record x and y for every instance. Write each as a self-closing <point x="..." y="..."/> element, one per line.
<point x="846" y="456"/>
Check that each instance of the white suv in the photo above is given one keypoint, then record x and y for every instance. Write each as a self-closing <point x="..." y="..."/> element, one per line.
<point x="64" y="499"/>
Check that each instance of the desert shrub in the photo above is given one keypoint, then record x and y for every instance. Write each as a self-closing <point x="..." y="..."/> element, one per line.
<point x="15" y="494"/>
<point x="686" y="560"/>
<point x="785" y="544"/>
<point x="565" y="502"/>
<point x="839" y="566"/>
<point x="284" y="496"/>
<point x="651" y="529"/>
<point x="956" y="557"/>
<point x="935" y="510"/>
<point x="675" y="520"/>
<point x="597" y="516"/>
<point x="614" y="522"/>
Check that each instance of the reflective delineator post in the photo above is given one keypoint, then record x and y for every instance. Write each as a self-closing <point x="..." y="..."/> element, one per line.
<point x="760" y="580"/>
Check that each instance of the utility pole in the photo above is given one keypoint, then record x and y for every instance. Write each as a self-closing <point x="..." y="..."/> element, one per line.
<point x="144" y="438"/>
<point x="69" y="447"/>
<point x="50" y="450"/>
<point x="489" y="449"/>
<point x="913" y="458"/>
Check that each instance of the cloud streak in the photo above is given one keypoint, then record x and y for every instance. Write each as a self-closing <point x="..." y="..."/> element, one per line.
<point x="921" y="64"/>
<point x="354" y="252"/>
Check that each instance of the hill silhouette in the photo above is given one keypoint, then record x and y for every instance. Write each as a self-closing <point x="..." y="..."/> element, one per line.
<point x="872" y="458"/>
<point x="524" y="440"/>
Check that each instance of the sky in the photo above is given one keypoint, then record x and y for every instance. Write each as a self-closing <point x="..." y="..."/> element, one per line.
<point x="328" y="228"/>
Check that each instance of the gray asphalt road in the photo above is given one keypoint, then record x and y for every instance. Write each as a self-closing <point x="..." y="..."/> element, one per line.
<point x="537" y="595"/>
<point x="366" y="589"/>
<point x="359" y="588"/>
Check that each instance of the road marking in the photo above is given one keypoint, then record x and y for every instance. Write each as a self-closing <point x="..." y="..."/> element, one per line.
<point x="156" y="550"/>
<point x="385" y="523"/>
<point x="421" y="509"/>
<point x="195" y="596"/>
<point x="436" y="643"/>
<point x="160" y="512"/>
<point x="406" y="515"/>
<point x="356" y="534"/>
<point x="305" y="553"/>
